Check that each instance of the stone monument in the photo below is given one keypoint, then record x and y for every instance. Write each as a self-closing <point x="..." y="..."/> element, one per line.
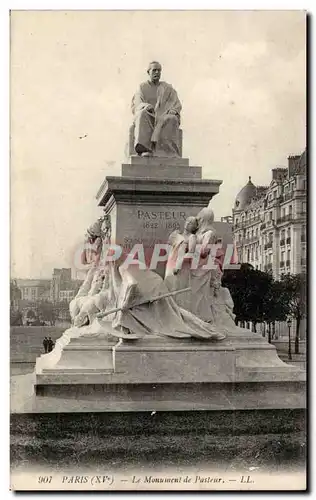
<point x="136" y="342"/>
<point x="156" y="108"/>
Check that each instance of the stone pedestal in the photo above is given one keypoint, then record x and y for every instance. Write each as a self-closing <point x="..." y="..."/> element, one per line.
<point x="152" y="198"/>
<point x="241" y="372"/>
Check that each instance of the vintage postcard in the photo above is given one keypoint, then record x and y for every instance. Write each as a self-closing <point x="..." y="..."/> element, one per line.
<point x="158" y="250"/>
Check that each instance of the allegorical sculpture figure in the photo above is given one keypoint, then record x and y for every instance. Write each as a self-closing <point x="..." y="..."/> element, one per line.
<point x="206" y="299"/>
<point x="156" y="108"/>
<point x="93" y="295"/>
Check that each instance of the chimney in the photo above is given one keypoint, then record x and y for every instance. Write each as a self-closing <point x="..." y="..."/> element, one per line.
<point x="279" y="173"/>
<point x="292" y="163"/>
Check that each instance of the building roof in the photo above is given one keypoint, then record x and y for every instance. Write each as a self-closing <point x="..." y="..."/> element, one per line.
<point x="245" y="195"/>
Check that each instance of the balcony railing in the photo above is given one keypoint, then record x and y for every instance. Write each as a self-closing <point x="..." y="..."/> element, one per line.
<point x="286" y="218"/>
<point x="282" y="242"/>
<point x="246" y="241"/>
<point x="247" y="222"/>
<point x="288" y="196"/>
<point x="272" y="202"/>
<point x="253" y="239"/>
<point x="270" y="223"/>
<point x="288" y="240"/>
<point x="268" y="245"/>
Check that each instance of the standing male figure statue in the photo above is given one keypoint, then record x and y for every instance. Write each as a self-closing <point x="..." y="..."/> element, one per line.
<point x="156" y="108"/>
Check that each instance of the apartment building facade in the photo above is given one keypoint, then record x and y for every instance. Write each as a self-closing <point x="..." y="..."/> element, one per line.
<point x="269" y="222"/>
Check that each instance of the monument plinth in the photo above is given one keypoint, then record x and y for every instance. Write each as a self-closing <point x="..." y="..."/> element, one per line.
<point x="153" y="197"/>
<point x="242" y="372"/>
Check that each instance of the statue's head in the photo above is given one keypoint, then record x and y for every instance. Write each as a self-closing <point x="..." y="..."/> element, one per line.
<point x="154" y="71"/>
<point x="205" y="217"/>
<point x="191" y="224"/>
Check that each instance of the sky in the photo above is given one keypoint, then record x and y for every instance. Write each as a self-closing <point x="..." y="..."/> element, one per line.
<point x="240" y="76"/>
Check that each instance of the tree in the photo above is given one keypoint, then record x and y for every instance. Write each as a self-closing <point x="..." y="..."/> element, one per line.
<point x="46" y="311"/>
<point x="275" y="305"/>
<point x="248" y="286"/>
<point x="30" y="314"/>
<point x="295" y="289"/>
<point x="15" y="317"/>
<point x="15" y="292"/>
<point x="257" y="296"/>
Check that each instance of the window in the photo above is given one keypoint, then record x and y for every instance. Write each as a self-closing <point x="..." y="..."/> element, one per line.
<point x="275" y="193"/>
<point x="290" y="210"/>
<point x="283" y="212"/>
<point x="283" y="234"/>
<point x="288" y="256"/>
<point x="270" y="258"/>
<point x="282" y="256"/>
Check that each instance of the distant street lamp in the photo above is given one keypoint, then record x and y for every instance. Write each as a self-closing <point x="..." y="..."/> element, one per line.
<point x="289" y="324"/>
